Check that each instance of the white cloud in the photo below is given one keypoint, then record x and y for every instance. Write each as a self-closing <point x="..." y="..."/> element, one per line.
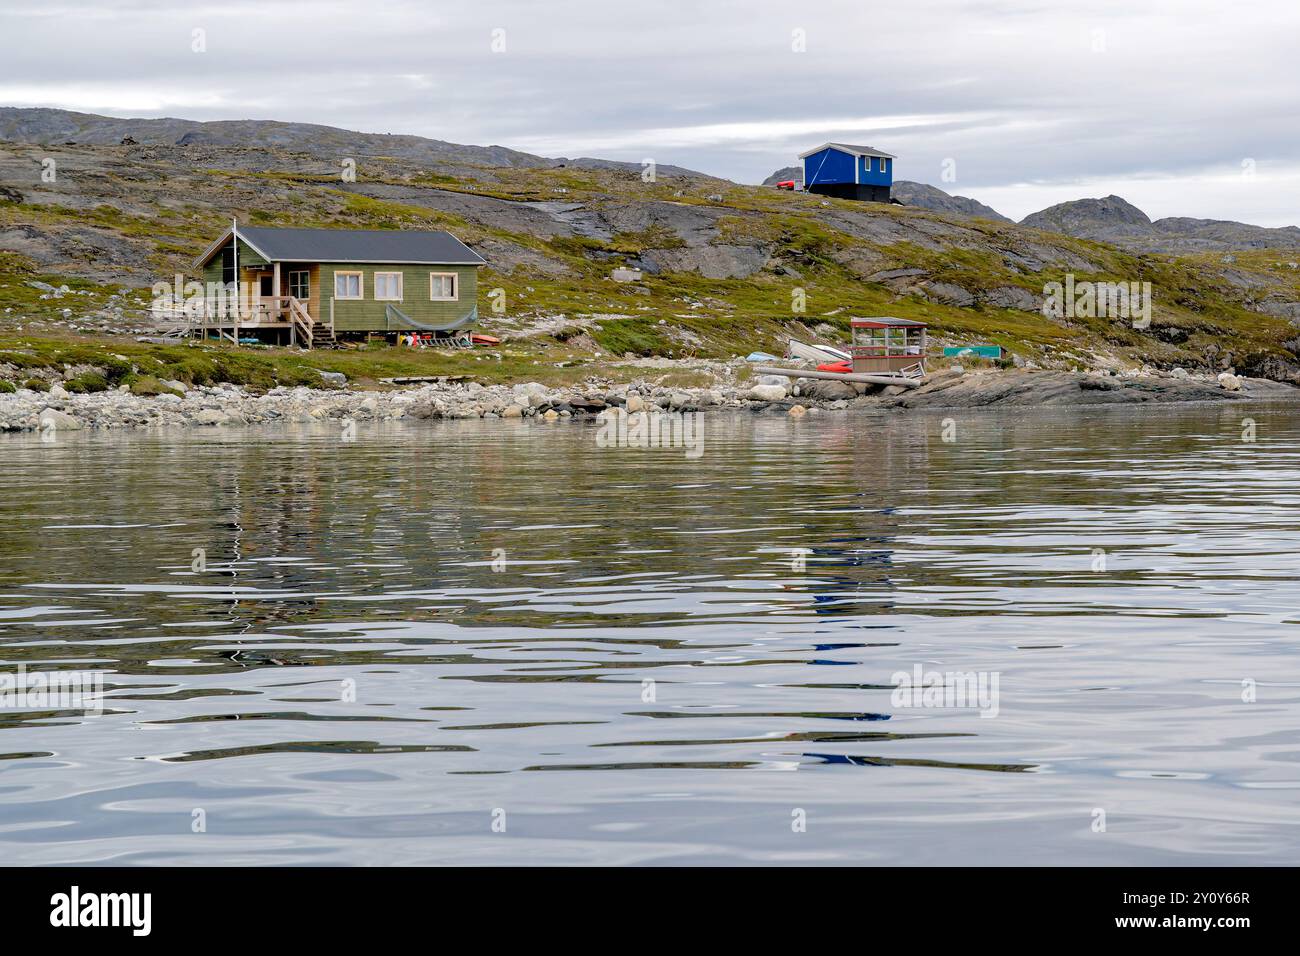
<point x="1013" y="90"/>
<point x="113" y="99"/>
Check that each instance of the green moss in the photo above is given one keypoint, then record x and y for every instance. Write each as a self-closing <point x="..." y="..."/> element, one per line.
<point x="657" y="236"/>
<point x="640" y="336"/>
<point x="149" y="385"/>
<point x="87" y="382"/>
<point x="6" y="386"/>
<point x="1196" y="309"/>
<point x="15" y="265"/>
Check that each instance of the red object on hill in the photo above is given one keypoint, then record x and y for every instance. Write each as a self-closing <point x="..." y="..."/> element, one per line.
<point x="842" y="368"/>
<point x="786" y="184"/>
<point x="478" y="339"/>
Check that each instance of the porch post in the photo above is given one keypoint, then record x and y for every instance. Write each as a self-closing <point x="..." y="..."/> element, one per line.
<point x="275" y="288"/>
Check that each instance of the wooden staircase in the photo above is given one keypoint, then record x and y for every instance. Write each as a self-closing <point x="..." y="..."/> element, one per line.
<point x="322" y="336"/>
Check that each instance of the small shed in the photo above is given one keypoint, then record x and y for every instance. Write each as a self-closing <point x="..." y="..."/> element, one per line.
<point x="889" y="345"/>
<point x="848" y="172"/>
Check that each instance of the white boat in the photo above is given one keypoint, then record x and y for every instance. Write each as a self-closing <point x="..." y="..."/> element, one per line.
<point x="816" y="353"/>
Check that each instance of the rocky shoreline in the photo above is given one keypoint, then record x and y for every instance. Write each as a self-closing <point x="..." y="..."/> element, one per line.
<point x="231" y="405"/>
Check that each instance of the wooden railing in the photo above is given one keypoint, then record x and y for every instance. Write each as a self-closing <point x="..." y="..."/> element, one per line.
<point x="916" y="371"/>
<point x="282" y="309"/>
<point x="881" y="351"/>
<point x="301" y="320"/>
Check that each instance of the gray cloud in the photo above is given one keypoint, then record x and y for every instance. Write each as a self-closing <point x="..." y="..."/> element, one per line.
<point x="1160" y="101"/>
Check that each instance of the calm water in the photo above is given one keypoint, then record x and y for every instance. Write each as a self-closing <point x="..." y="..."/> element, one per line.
<point x="671" y="660"/>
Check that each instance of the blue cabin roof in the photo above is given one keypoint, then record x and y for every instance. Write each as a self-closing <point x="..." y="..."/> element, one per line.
<point x="844" y="163"/>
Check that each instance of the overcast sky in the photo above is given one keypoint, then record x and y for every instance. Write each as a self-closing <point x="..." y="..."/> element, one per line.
<point x="1184" y="107"/>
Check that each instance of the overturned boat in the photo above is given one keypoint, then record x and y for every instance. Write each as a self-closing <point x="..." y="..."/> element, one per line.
<point x="818" y="354"/>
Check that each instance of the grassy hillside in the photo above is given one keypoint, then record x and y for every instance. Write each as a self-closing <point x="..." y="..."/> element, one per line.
<point x="722" y="262"/>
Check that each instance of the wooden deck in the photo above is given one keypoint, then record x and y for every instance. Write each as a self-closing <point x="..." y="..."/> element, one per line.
<point x="268" y="313"/>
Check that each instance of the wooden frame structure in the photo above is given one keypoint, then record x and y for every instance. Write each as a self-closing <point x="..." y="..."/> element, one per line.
<point x="883" y="344"/>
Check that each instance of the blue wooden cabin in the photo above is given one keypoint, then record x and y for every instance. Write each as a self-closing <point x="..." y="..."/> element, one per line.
<point x="848" y="172"/>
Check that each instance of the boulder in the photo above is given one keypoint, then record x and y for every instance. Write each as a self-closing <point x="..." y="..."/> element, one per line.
<point x="209" y="416"/>
<point x="521" y="392"/>
<point x="512" y="411"/>
<point x="949" y="294"/>
<point x="1229" y="382"/>
<point x="425" y="409"/>
<point x="1012" y="297"/>
<point x="827" y="390"/>
<point x="587" y="403"/>
<point x="767" y="393"/>
<point x="798" y="411"/>
<point x="61" y="421"/>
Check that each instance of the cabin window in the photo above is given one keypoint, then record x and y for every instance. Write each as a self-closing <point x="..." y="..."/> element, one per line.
<point x="388" y="286"/>
<point x="300" y="285"/>
<point x="347" y="285"/>
<point x="442" y="285"/>
<point x="228" y="265"/>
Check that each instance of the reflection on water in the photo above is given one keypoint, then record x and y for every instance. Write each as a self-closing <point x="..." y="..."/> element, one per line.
<point x="363" y="652"/>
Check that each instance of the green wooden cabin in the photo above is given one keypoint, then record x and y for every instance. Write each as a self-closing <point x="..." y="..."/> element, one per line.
<point x="308" y="286"/>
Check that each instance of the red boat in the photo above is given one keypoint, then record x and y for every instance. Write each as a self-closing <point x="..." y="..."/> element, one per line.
<point x="840" y="368"/>
<point x="785" y="184"/>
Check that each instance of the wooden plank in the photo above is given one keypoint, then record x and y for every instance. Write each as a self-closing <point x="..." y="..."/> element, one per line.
<point x="837" y="377"/>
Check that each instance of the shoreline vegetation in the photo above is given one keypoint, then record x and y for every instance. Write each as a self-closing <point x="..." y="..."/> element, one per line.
<point x="600" y="284"/>
<point x="105" y="389"/>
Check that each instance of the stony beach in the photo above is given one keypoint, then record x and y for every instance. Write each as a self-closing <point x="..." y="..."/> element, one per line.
<point x="954" y="387"/>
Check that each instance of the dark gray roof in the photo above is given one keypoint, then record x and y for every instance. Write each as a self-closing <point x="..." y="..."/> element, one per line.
<point x="864" y="150"/>
<point x="850" y="148"/>
<point x="359" y="245"/>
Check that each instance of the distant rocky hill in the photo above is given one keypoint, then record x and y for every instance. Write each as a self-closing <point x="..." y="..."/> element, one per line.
<point x="930" y="197"/>
<point x="57" y="127"/>
<point x="1090" y="218"/>
<point x="1111" y="219"/>
<point x="911" y="194"/>
<point x="721" y="265"/>
<point x="785" y="173"/>
<point x="1118" y="221"/>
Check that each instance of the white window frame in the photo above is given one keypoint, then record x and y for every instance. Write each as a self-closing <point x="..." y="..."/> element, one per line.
<point x="306" y="282"/>
<point x="388" y="298"/>
<point x="455" y="287"/>
<point x="361" y="285"/>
